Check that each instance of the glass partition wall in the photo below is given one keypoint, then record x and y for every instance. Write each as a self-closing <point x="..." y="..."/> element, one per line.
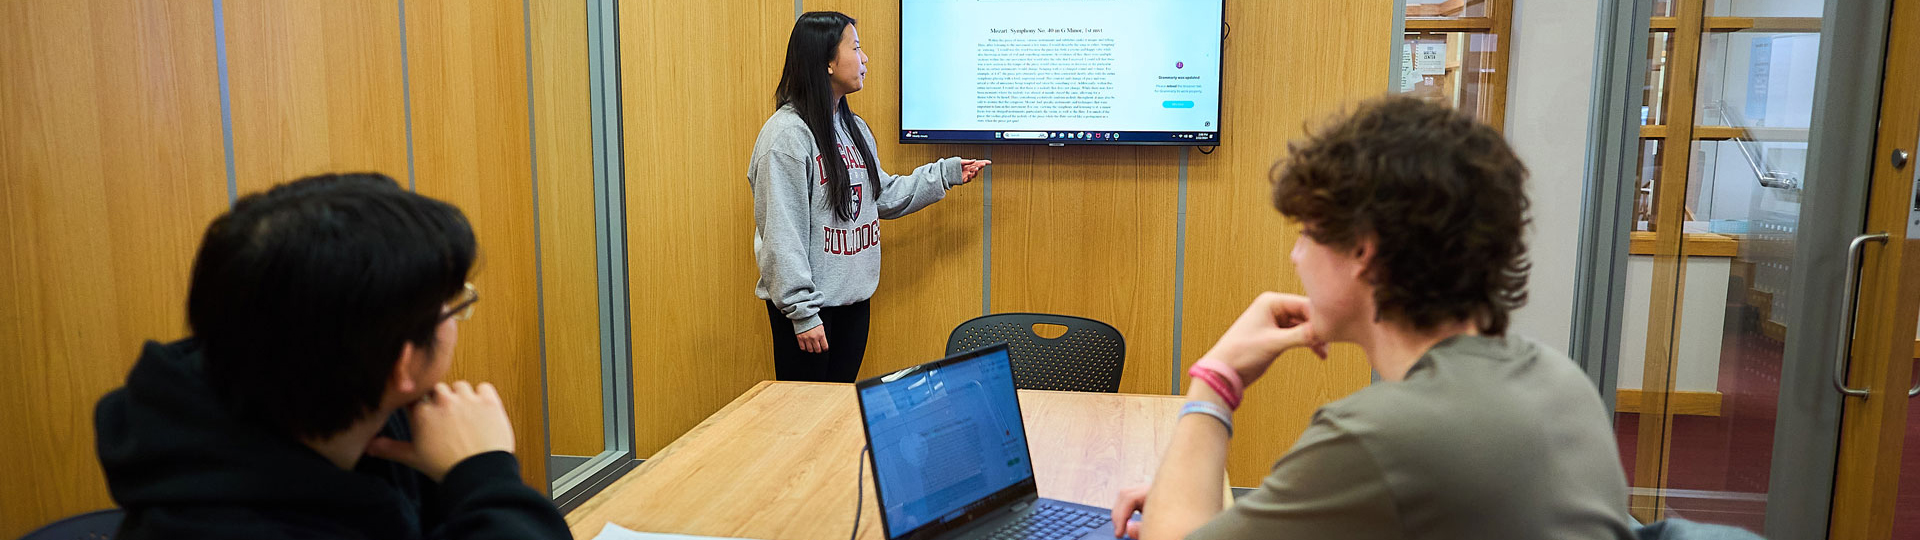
<point x="589" y="390"/>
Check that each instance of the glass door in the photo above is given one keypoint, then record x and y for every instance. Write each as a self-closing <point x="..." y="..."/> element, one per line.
<point x="1727" y="111"/>
<point x="1739" y="284"/>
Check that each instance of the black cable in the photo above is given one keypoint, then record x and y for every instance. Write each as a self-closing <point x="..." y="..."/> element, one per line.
<point x="1207" y="149"/>
<point x="859" y="492"/>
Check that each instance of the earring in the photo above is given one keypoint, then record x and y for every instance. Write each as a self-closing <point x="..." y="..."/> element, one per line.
<point x="829" y="70"/>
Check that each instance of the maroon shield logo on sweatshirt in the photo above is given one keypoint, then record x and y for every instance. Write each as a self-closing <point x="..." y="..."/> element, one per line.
<point x="856" y="199"/>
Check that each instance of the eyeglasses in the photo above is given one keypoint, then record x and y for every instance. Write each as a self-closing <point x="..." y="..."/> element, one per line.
<point x="462" y="307"/>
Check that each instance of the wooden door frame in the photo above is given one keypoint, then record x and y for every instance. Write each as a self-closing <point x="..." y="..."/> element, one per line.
<point x="1873" y="429"/>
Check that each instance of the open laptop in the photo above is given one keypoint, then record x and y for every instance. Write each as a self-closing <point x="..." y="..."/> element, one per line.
<point x="950" y="458"/>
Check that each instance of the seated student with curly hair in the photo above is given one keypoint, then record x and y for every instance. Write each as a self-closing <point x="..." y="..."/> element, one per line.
<point x="1411" y="248"/>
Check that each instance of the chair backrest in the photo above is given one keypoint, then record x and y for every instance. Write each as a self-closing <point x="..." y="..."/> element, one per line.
<point x="95" y="525"/>
<point x="1089" y="357"/>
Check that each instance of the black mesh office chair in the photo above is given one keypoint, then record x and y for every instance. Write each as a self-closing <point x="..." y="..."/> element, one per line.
<point x="95" y="525"/>
<point x="1087" y="358"/>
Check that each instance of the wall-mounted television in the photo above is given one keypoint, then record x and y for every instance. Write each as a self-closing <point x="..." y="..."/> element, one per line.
<point x="1059" y="72"/>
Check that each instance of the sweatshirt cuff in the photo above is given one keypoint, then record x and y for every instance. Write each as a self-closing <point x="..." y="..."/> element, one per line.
<point x="800" y="326"/>
<point x="950" y="171"/>
<point x="476" y="472"/>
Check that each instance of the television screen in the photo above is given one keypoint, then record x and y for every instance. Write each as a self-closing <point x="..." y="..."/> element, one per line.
<point x="1060" y="71"/>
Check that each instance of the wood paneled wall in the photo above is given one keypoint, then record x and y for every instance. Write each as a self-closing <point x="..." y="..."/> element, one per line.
<point x="113" y="163"/>
<point x="468" y="73"/>
<point x="1280" y="76"/>
<point x="697" y="83"/>
<point x="568" y="275"/>
<point x="1087" y="231"/>
<point x="315" y="87"/>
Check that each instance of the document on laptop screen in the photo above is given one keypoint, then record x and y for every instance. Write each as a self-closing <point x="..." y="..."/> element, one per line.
<point x="945" y="438"/>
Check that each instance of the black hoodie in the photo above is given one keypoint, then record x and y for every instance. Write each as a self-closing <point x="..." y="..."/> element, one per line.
<point x="185" y="466"/>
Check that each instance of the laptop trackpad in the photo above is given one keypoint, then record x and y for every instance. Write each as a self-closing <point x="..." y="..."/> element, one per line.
<point x="1096" y="533"/>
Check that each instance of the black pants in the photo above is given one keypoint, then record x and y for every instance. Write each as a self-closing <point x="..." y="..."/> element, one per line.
<point x="846" y="345"/>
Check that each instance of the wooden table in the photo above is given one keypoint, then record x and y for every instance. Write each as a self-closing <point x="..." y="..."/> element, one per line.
<point x="780" y="463"/>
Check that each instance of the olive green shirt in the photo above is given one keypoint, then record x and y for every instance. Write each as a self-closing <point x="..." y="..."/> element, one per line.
<point x="1486" y="437"/>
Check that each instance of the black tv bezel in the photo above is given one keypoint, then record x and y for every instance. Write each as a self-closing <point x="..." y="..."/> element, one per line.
<point x="899" y="107"/>
<point x="1018" y="491"/>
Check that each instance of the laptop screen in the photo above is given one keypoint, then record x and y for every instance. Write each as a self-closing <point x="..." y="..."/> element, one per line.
<point x="946" y="437"/>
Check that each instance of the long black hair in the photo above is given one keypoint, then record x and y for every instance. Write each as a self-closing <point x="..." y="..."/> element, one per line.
<point x="805" y="85"/>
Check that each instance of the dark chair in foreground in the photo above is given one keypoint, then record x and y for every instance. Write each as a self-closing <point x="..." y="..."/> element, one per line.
<point x="95" y="525"/>
<point x="1088" y="357"/>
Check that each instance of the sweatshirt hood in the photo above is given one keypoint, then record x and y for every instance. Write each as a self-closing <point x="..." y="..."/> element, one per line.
<point x="167" y="440"/>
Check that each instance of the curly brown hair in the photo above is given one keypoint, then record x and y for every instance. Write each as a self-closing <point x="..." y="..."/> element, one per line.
<point x="1442" y="196"/>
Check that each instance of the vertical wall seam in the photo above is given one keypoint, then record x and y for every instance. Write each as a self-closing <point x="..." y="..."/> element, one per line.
<point x="226" y="98"/>
<point x="539" y="278"/>
<point x="986" y="237"/>
<point x="1179" y="269"/>
<point x="406" y="90"/>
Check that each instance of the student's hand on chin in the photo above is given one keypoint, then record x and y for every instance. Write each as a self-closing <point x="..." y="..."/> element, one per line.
<point x="452" y="423"/>
<point x="1273" y="324"/>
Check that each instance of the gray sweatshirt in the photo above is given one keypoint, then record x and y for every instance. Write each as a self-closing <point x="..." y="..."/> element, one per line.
<point x="810" y="258"/>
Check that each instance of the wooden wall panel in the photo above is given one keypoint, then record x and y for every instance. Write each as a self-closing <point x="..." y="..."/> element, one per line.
<point x="1276" y="82"/>
<point x="930" y="280"/>
<point x="467" y="64"/>
<point x="112" y="164"/>
<point x="1089" y="231"/>
<point x="698" y="84"/>
<point x="316" y="87"/>
<point x="569" y="280"/>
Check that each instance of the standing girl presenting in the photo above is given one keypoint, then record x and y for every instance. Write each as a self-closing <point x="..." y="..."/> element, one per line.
<point x="818" y="196"/>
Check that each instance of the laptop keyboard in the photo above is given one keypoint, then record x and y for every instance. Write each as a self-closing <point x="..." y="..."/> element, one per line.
<point x="1051" y="523"/>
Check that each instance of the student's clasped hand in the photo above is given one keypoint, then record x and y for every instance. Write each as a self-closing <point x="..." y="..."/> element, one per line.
<point x="1274" y="324"/>
<point x="452" y="423"/>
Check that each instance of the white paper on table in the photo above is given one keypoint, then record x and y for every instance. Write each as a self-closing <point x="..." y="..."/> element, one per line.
<point x="616" y="532"/>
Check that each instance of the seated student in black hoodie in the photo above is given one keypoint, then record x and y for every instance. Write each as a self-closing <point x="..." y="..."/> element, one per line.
<point x="308" y="402"/>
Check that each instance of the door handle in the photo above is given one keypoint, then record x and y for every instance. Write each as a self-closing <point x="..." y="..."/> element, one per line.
<point x="1853" y="297"/>
<point x="1915" y="391"/>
